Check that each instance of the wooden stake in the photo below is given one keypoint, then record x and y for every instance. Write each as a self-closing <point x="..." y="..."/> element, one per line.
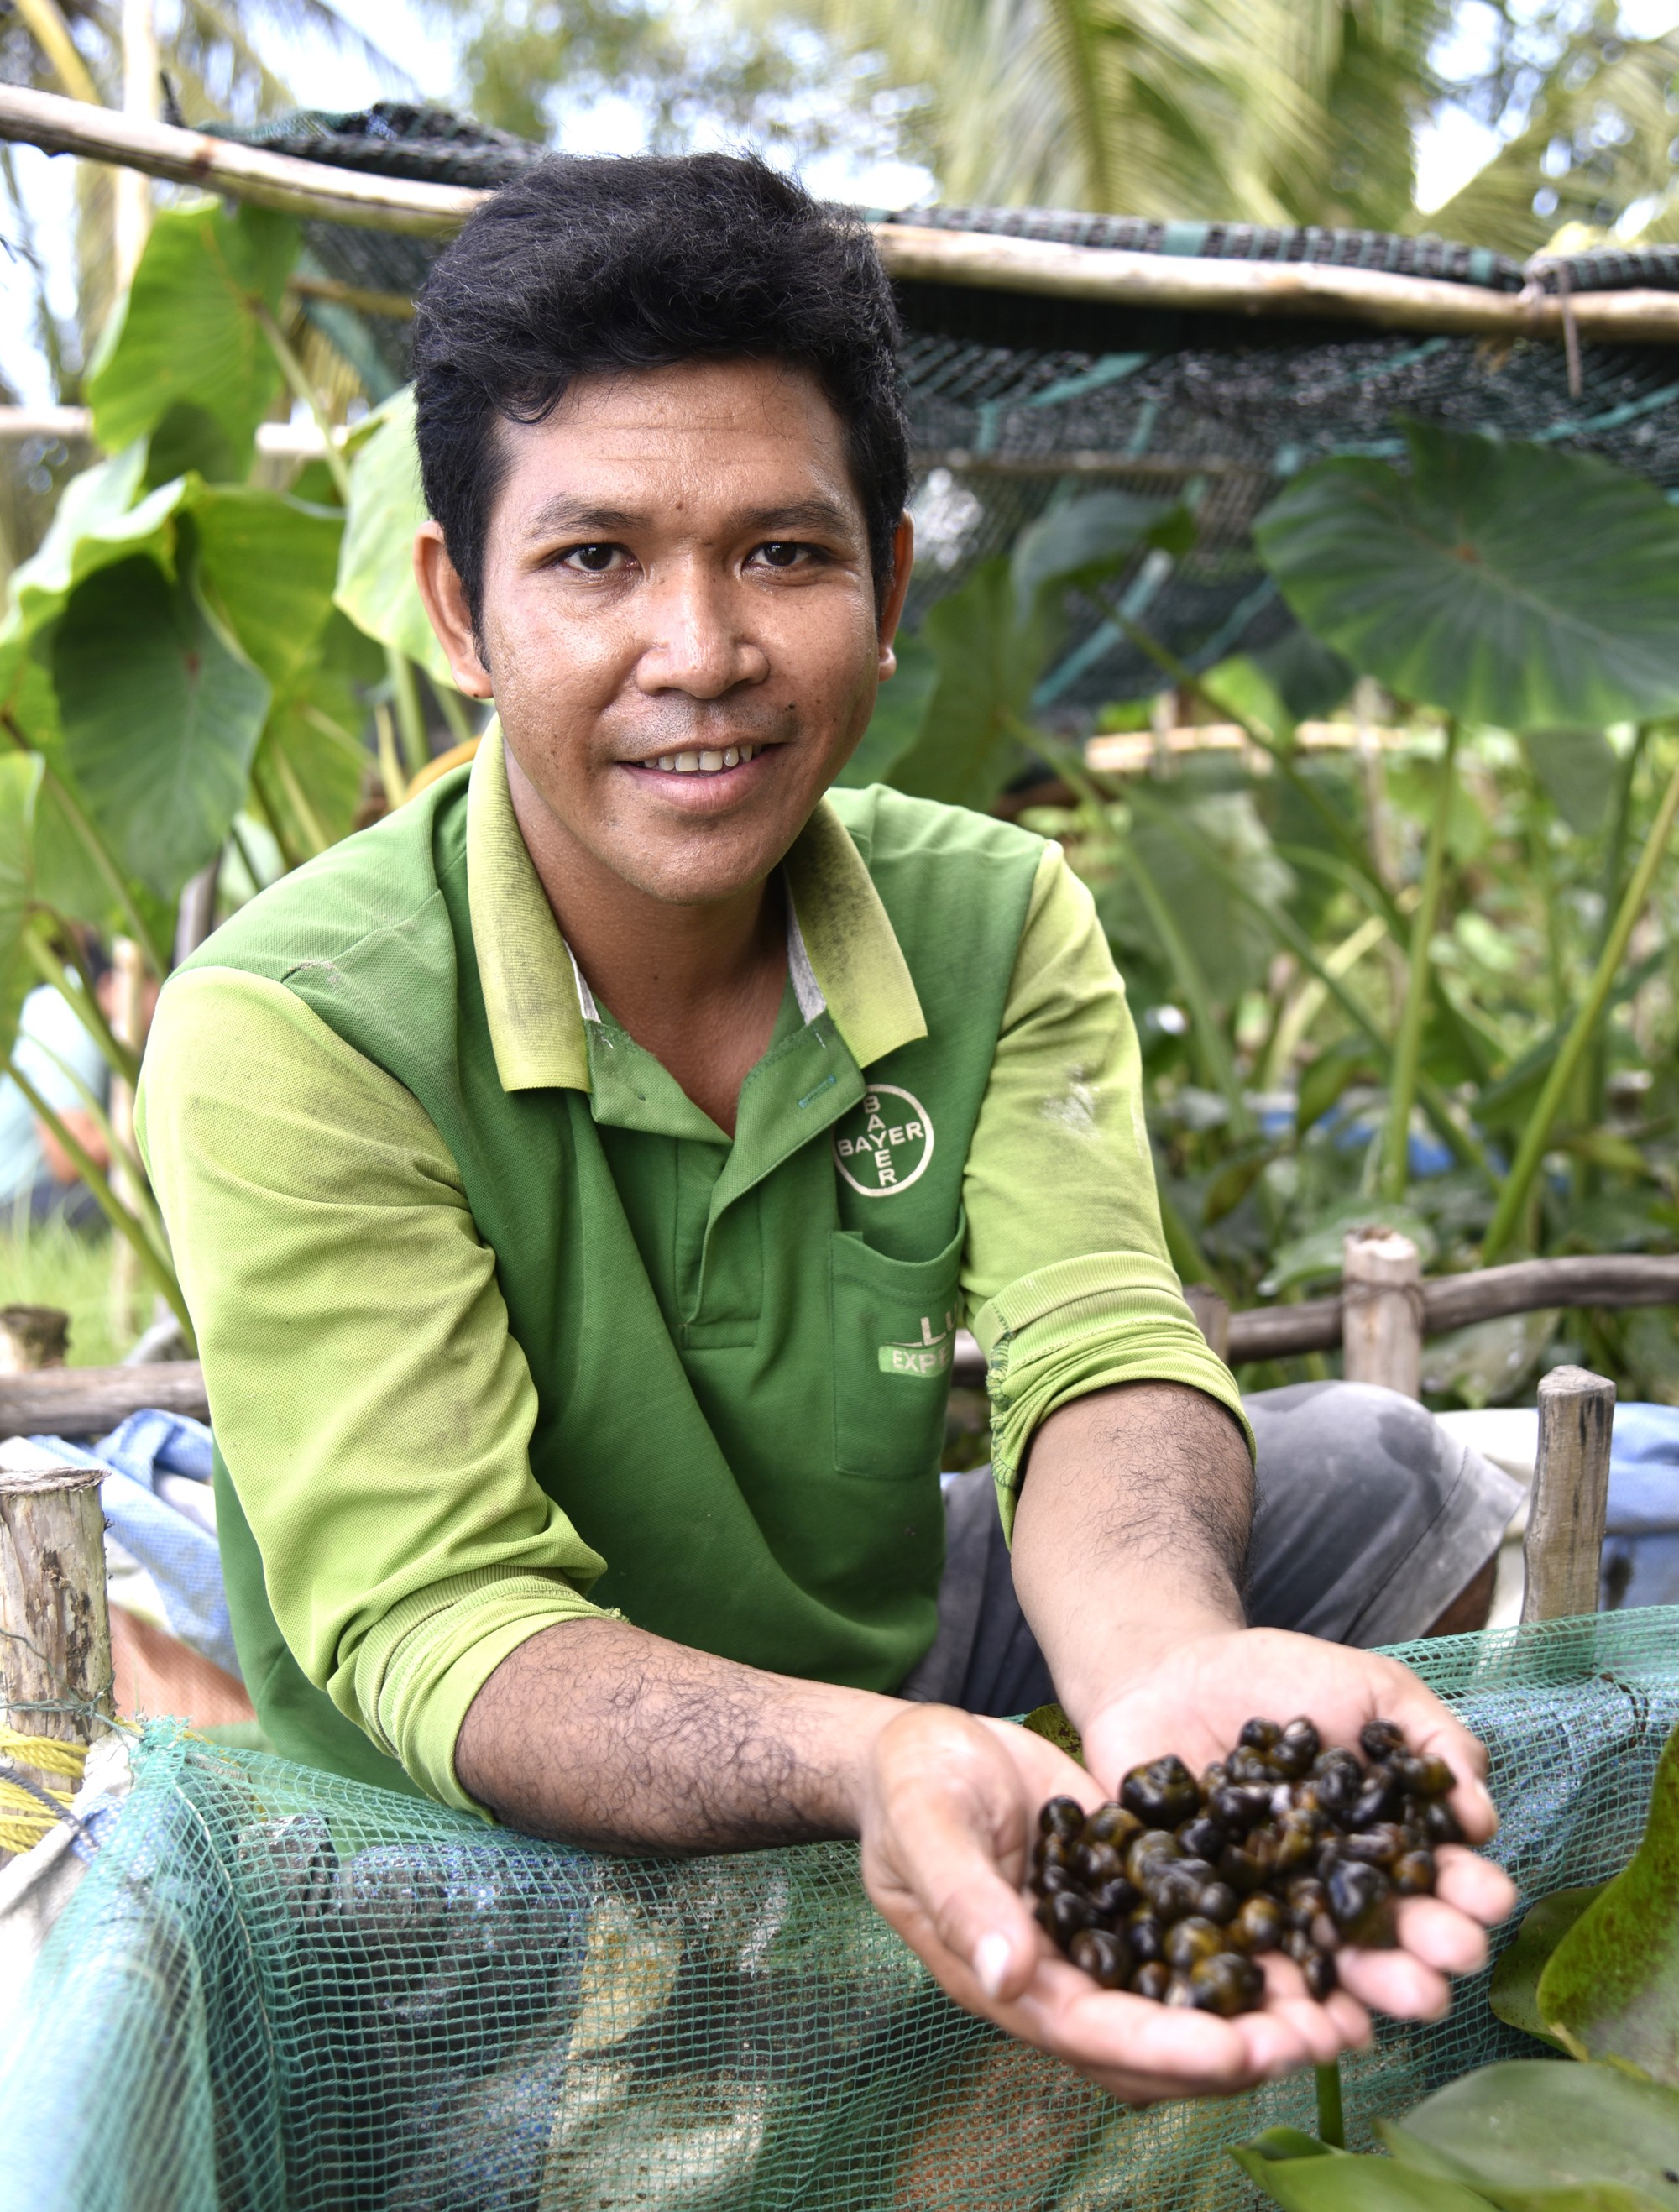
<point x="1212" y="1316"/>
<point x="1381" y="1310"/>
<point x="1569" y="1506"/>
<point x="55" y="1632"/>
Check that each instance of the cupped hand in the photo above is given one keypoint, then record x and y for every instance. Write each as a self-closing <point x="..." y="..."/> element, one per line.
<point x="950" y="1809"/>
<point x="1194" y="1698"/>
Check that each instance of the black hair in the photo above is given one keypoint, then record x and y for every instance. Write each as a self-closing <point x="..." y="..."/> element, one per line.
<point x="585" y="266"/>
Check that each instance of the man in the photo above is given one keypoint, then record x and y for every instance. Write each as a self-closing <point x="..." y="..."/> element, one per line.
<point x="577" y="1181"/>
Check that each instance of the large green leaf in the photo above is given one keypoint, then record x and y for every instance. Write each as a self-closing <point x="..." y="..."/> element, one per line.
<point x="1507" y="584"/>
<point x="376" y="587"/>
<point x="20" y="782"/>
<point x="94" y="526"/>
<point x="188" y="337"/>
<point x="1088" y="538"/>
<point x="900" y="711"/>
<point x="989" y="658"/>
<point x="270" y="564"/>
<point x="1303" y="2175"/>
<point x="1540" y="2135"/>
<point x="313" y="744"/>
<point x="1514" y="1994"/>
<point x="1611" y="1990"/>
<point x="161" y="714"/>
<point x="1576" y="770"/>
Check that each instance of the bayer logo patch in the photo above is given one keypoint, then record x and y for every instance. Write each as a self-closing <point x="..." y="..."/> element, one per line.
<point x="885" y="1144"/>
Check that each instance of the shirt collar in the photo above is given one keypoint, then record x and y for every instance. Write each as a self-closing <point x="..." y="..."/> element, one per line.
<point x="843" y="954"/>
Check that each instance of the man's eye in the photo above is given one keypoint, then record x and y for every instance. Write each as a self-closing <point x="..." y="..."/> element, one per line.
<point x="781" y="553"/>
<point x="596" y="559"/>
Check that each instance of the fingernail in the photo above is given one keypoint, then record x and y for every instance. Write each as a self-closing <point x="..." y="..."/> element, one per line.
<point x="991" y="1963"/>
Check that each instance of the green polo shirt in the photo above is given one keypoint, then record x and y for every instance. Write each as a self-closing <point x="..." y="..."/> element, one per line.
<point x="500" y="1330"/>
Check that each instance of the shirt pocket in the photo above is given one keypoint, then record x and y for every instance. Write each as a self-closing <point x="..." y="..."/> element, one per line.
<point x="894" y="1331"/>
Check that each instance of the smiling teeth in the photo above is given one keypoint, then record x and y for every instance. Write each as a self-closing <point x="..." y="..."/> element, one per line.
<point x="707" y="764"/>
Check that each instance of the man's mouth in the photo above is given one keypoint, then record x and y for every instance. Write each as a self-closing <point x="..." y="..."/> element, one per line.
<point x="703" y="763"/>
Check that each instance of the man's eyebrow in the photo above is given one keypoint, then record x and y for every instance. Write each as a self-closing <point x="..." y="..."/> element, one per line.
<point x="563" y="517"/>
<point x="574" y="517"/>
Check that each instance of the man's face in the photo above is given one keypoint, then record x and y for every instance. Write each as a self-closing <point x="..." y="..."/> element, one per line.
<point x="679" y="626"/>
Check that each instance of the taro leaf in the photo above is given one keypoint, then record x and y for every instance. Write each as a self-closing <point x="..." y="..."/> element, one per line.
<point x="20" y="782"/>
<point x="900" y="711"/>
<point x="93" y="526"/>
<point x="1577" y="770"/>
<point x="1538" y="2136"/>
<point x="1509" y="584"/>
<point x="314" y="743"/>
<point x="187" y="335"/>
<point x="1611" y="1990"/>
<point x="1514" y="1993"/>
<point x="376" y="587"/>
<point x="1085" y="540"/>
<point x="162" y="713"/>
<point x="1303" y="2175"/>
<point x="269" y="563"/>
<point x="988" y="661"/>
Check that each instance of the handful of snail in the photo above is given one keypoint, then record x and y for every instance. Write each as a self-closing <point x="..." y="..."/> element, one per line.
<point x="1176" y="1891"/>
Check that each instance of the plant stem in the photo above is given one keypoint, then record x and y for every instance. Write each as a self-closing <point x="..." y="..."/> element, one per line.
<point x="390" y="768"/>
<point x="151" y="1262"/>
<point x="1512" y="1198"/>
<point x="1464" y="1147"/>
<point x="297" y="377"/>
<point x="1613" y="861"/>
<point x="1331" y="2123"/>
<point x="452" y="708"/>
<point x="85" y="1006"/>
<point x="1217" y="1066"/>
<point x="1407" y="1050"/>
<point x="104" y="861"/>
<point x="297" y="798"/>
<point x="410" y="720"/>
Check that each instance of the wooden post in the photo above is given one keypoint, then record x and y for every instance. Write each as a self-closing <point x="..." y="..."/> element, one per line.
<point x="1569" y="1505"/>
<point x="55" y="1632"/>
<point x="1212" y="1316"/>
<point x="1381" y="1310"/>
<point x="33" y="1337"/>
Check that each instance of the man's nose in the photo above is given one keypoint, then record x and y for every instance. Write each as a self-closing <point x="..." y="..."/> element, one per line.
<point x="698" y="640"/>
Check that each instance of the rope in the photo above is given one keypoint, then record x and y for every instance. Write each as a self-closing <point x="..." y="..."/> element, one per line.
<point x="29" y="1811"/>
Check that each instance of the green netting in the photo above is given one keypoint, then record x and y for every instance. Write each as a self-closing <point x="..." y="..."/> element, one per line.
<point x="1017" y="401"/>
<point x="274" y="1989"/>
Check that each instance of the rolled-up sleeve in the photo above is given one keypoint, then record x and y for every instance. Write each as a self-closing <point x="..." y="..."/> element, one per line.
<point x="1067" y="1283"/>
<point x="372" y="1407"/>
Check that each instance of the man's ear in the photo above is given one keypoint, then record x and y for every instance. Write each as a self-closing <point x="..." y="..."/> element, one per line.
<point x="445" y="601"/>
<point x="904" y="560"/>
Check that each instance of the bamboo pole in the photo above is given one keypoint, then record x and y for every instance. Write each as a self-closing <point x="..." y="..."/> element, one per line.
<point x="245" y="172"/>
<point x="912" y="253"/>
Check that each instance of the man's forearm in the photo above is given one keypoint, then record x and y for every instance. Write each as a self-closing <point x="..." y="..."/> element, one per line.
<point x="1132" y="1532"/>
<point x="601" y="1733"/>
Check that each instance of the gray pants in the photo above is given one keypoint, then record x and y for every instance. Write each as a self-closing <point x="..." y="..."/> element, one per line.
<point x="1370" y="1521"/>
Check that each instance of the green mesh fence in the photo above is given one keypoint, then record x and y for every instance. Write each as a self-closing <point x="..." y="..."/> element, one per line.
<point x="278" y="1990"/>
<point x="1016" y="401"/>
